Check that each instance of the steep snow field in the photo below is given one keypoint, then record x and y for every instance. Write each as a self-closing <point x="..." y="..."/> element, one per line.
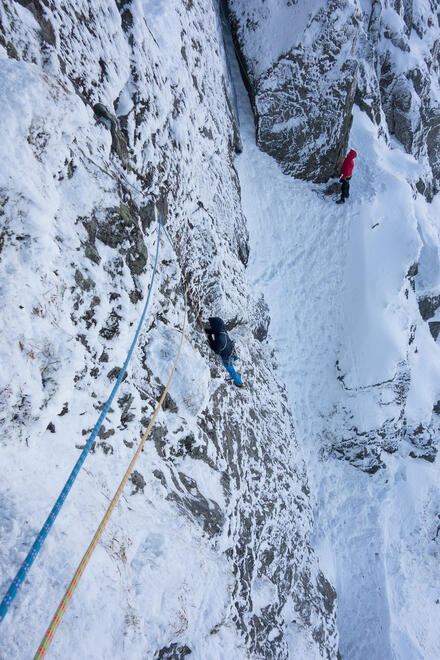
<point x="333" y="277"/>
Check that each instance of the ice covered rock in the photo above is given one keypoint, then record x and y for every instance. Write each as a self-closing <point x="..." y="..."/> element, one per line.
<point x="301" y="72"/>
<point x="305" y="65"/>
<point x="220" y="500"/>
<point x="119" y="144"/>
<point x="398" y="79"/>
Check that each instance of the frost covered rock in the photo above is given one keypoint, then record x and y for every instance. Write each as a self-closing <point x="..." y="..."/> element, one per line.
<point x="398" y="82"/>
<point x="209" y="550"/>
<point x="302" y="75"/>
<point x="304" y="66"/>
<point x="119" y="144"/>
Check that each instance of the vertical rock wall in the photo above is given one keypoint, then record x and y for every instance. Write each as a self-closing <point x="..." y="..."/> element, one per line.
<point x="222" y="483"/>
<point x="301" y="69"/>
<point x="306" y="64"/>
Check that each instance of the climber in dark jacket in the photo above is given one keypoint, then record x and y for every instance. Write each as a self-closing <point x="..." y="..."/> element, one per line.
<point x="346" y="172"/>
<point x="221" y="344"/>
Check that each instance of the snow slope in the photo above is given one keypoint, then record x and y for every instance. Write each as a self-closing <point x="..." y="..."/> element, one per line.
<point x="209" y="549"/>
<point x="342" y="313"/>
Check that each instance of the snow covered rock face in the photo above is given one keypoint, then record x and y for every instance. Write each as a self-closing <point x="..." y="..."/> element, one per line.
<point x="388" y="365"/>
<point x="398" y="84"/>
<point x="398" y="88"/>
<point x="305" y="64"/>
<point x="302" y="76"/>
<point x="208" y="550"/>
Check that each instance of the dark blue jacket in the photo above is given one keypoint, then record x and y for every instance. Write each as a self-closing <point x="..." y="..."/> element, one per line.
<point x="218" y="338"/>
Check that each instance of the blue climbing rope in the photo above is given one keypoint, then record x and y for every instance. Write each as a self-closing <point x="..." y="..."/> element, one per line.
<point x="21" y="575"/>
<point x="168" y="237"/>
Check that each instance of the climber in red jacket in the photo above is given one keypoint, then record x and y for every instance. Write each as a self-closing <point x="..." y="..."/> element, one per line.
<point x="346" y="172"/>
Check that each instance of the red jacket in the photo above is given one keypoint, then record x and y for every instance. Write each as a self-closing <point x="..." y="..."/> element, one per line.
<point x="348" y="164"/>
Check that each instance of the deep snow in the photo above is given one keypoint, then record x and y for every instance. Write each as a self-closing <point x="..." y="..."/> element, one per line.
<point x="333" y="277"/>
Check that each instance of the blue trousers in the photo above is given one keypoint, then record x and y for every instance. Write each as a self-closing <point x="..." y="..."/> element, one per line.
<point x="229" y="366"/>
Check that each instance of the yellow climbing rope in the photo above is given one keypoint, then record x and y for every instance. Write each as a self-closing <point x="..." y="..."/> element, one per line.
<point x="50" y="632"/>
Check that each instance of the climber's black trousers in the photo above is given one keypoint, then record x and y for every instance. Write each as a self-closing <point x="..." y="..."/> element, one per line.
<point x="345" y="189"/>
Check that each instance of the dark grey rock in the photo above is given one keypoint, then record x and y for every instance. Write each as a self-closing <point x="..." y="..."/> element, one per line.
<point x="413" y="270"/>
<point x="172" y="652"/>
<point x="89" y="315"/>
<point x="424" y="439"/>
<point x="365" y="449"/>
<point x="160" y="475"/>
<point x="92" y="253"/>
<point x="125" y="403"/>
<point x="70" y="168"/>
<point x="169" y="404"/>
<point x="188" y="443"/>
<point x="404" y="96"/>
<point x="303" y="101"/>
<point x="119" y="227"/>
<point x="85" y="284"/>
<point x="402" y="112"/>
<point x="83" y="340"/>
<point x="135" y="296"/>
<point x="434" y="328"/>
<point x="119" y="143"/>
<point x="262" y="321"/>
<point x="64" y="410"/>
<point x="111" y="327"/>
<point x="106" y="448"/>
<point x="194" y="505"/>
<point x="114" y="373"/>
<point x="162" y="208"/>
<point x="158" y="435"/>
<point x="430" y="457"/>
<point x="126" y="15"/>
<point x="428" y="306"/>
<point x="138" y="482"/>
<point x="11" y="51"/>
<point x="333" y="188"/>
<point x="103" y="434"/>
<point x="47" y="31"/>
<point x="104" y="356"/>
<point x="136" y="258"/>
<point x="433" y="148"/>
<point x="91" y="227"/>
<point x="329" y="594"/>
